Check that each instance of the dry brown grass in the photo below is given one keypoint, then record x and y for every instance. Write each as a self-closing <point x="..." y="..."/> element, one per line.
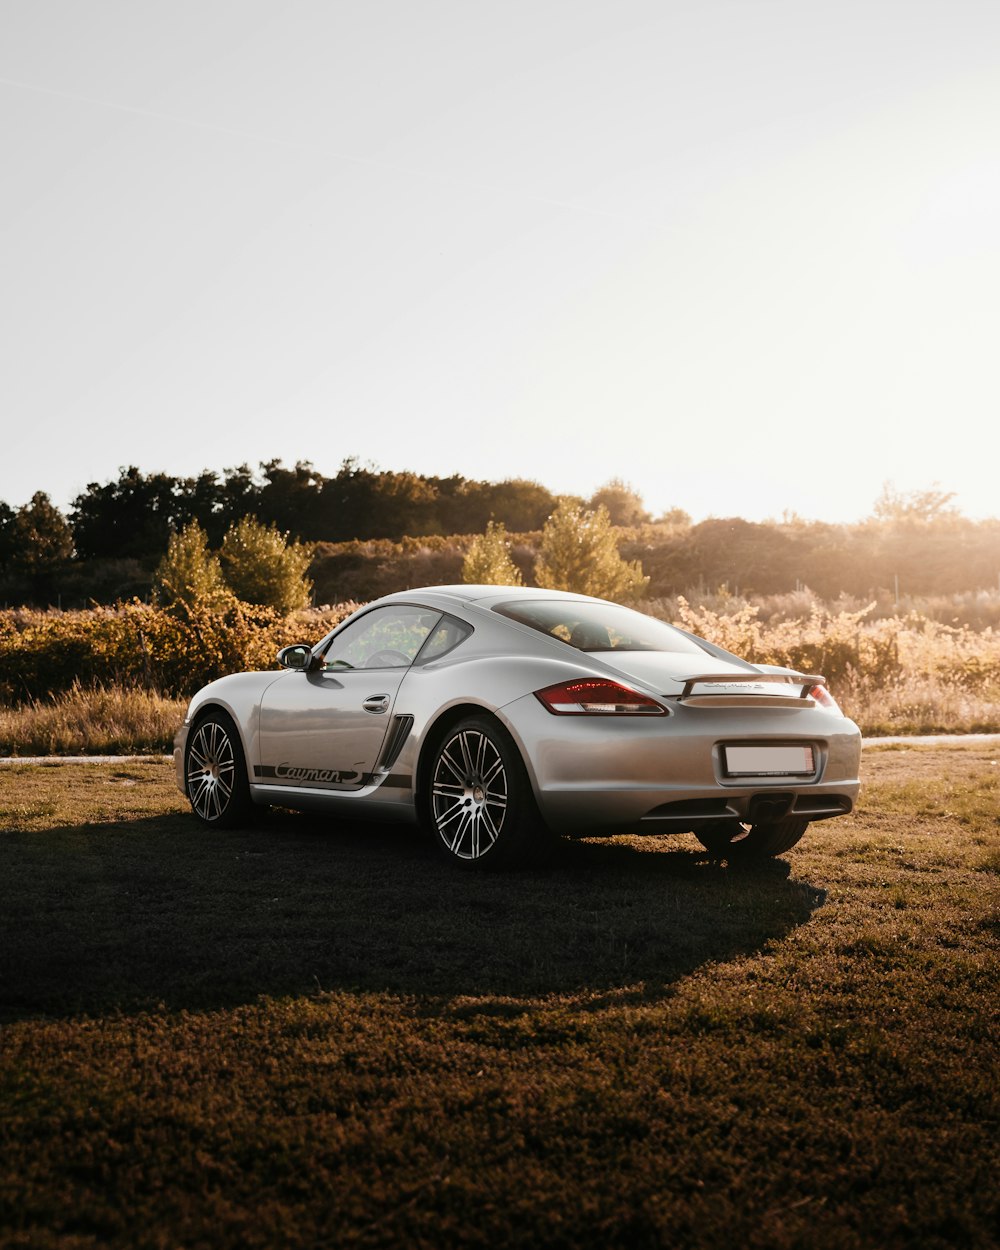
<point x="893" y="674"/>
<point x="103" y="720"/>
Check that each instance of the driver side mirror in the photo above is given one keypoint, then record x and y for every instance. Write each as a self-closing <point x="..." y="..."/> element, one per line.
<point x="298" y="656"/>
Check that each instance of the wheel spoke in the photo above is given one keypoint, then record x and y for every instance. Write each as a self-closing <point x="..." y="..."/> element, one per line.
<point x="491" y="828"/>
<point x="463" y="828"/>
<point x="489" y="774"/>
<point x="495" y="813"/>
<point x="449" y="762"/>
<point x="467" y="765"/>
<point x="481" y="746"/>
<point x="447" y="795"/>
<point x="198" y="790"/>
<point x="445" y="817"/>
<point x="499" y="795"/>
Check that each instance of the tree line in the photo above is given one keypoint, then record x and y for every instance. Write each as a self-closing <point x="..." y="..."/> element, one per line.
<point x="370" y="530"/>
<point x="115" y="533"/>
<point x="134" y="515"/>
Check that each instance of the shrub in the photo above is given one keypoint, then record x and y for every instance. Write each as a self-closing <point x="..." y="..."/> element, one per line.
<point x="894" y="674"/>
<point x="189" y="573"/>
<point x="838" y="646"/>
<point x="174" y="652"/>
<point x="488" y="562"/>
<point x="579" y="552"/>
<point x="261" y="567"/>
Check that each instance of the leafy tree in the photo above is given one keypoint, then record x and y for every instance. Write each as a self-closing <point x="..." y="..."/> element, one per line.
<point x="522" y="505"/>
<point x="260" y="566"/>
<point x="41" y="537"/>
<point x="579" y="552"/>
<point x="623" y="505"/>
<point x="403" y="503"/>
<point x="364" y="503"/>
<point x="460" y="505"/>
<point x="239" y="493"/>
<point x="290" y="498"/>
<point x="488" y="562"/>
<point x="131" y="517"/>
<point x="746" y="556"/>
<point x="675" y="519"/>
<point x="190" y="575"/>
<point x="201" y="499"/>
<point x="7" y="547"/>
<point x="914" y="505"/>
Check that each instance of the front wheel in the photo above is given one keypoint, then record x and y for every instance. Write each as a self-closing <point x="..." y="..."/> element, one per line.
<point x="481" y="806"/>
<point x="731" y="839"/>
<point x="215" y="773"/>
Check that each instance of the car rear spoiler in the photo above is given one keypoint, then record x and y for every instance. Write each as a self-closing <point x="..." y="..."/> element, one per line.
<point x="735" y="687"/>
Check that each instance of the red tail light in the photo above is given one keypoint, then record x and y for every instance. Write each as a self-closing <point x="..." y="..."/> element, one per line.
<point x="595" y="697"/>
<point x="824" y="698"/>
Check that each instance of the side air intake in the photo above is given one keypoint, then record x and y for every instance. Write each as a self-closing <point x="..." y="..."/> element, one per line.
<point x="398" y="734"/>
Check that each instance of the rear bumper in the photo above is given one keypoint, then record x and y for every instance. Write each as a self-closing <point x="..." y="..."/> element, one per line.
<point x="666" y="774"/>
<point x="647" y="811"/>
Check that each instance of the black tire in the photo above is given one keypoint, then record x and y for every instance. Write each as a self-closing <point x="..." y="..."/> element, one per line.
<point x="480" y="806"/>
<point x="215" y="773"/>
<point x="730" y="839"/>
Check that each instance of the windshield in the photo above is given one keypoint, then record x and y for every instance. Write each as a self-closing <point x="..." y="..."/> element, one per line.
<point x="599" y="626"/>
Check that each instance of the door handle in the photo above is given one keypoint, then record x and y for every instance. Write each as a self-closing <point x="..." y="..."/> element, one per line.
<point x="376" y="703"/>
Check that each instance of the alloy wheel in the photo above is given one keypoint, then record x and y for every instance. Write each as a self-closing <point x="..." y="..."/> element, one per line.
<point x="469" y="794"/>
<point x="211" y="771"/>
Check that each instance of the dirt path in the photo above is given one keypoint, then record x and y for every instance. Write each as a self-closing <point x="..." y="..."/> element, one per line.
<point x="83" y="759"/>
<point x="931" y="740"/>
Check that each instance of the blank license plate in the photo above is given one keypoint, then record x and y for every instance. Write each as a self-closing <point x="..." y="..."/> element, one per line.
<point x="768" y="761"/>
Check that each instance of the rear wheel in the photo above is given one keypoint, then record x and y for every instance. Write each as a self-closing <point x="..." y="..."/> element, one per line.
<point x="215" y="773"/>
<point x="730" y="838"/>
<point x="481" y="807"/>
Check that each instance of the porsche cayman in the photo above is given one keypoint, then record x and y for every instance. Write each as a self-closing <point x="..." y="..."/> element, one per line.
<point x="499" y="718"/>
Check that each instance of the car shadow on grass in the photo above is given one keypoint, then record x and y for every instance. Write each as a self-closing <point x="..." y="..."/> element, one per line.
<point x="159" y="912"/>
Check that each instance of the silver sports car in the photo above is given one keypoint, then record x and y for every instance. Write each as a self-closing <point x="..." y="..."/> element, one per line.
<point x="500" y="717"/>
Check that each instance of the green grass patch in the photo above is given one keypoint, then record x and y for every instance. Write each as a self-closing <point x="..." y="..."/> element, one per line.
<point x="318" y="1034"/>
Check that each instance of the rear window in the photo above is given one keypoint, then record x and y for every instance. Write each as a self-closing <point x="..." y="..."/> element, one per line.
<point x="599" y="626"/>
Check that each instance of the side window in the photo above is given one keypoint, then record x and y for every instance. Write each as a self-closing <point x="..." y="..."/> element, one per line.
<point x="444" y="638"/>
<point x="386" y="637"/>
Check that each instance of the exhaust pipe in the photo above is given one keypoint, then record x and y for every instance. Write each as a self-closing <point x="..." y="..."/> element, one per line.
<point x="765" y="809"/>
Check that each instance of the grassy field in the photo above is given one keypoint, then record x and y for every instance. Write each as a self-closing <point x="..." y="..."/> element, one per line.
<point x="312" y="1036"/>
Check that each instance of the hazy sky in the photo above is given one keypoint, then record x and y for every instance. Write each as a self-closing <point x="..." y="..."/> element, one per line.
<point x="744" y="254"/>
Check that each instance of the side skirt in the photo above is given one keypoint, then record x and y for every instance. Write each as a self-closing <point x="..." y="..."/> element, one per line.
<point x="375" y="805"/>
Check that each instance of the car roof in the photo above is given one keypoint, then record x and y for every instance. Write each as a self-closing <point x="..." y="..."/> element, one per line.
<point x="485" y="595"/>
